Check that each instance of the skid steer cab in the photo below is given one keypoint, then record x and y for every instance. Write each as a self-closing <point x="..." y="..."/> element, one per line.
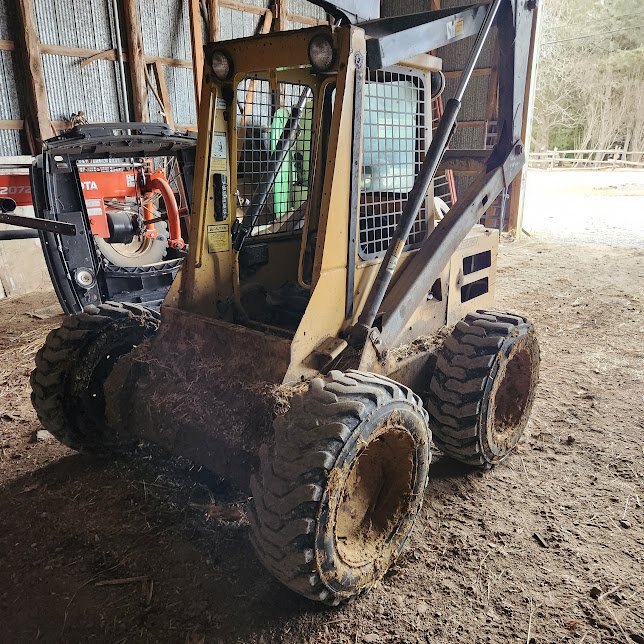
<point x="326" y="325"/>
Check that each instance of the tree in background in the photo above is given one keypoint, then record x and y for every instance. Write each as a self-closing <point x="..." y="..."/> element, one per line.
<point x="590" y="77"/>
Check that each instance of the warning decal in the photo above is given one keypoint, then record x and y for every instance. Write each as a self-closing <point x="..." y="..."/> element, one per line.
<point x="218" y="238"/>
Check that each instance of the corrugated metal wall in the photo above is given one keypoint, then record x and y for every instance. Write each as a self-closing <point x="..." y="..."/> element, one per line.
<point x="95" y="87"/>
<point x="165" y="26"/>
<point x="11" y="102"/>
<point x="70" y="87"/>
<point x="239" y="24"/>
<point x="304" y="8"/>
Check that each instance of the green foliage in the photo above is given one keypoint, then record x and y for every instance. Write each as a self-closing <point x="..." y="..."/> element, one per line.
<point x="565" y="138"/>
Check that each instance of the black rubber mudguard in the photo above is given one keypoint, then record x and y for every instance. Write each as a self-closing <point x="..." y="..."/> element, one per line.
<point x="58" y="196"/>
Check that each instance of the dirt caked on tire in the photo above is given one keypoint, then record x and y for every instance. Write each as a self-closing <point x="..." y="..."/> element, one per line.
<point x="72" y="366"/>
<point x="483" y="387"/>
<point x="338" y="492"/>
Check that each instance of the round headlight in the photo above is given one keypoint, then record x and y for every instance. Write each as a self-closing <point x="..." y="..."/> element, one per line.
<point x="321" y="53"/>
<point x="221" y="65"/>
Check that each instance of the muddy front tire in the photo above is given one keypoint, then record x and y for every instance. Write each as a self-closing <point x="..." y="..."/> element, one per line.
<point x="338" y="492"/>
<point x="483" y="387"/>
<point x="72" y="366"/>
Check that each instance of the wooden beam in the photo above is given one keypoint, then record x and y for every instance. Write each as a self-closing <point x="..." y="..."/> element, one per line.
<point x="34" y="75"/>
<point x="159" y="75"/>
<point x="304" y="20"/>
<point x="213" y="20"/>
<point x="464" y="161"/>
<point x="240" y="6"/>
<point x="90" y="55"/>
<point x="11" y="124"/>
<point x="286" y="16"/>
<point x="7" y="45"/>
<point x="492" y="103"/>
<point x="169" y="62"/>
<point x="107" y="54"/>
<point x="196" y="42"/>
<point x="136" y="59"/>
<point x="77" y="52"/>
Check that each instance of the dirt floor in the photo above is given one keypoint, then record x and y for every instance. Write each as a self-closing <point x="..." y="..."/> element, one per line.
<point x="546" y="548"/>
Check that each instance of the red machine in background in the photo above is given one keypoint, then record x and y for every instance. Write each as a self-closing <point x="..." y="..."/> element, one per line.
<point x="111" y="204"/>
<point x="124" y="209"/>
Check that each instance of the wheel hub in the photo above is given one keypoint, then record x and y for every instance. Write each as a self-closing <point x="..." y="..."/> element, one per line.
<point x="376" y="496"/>
<point x="509" y="399"/>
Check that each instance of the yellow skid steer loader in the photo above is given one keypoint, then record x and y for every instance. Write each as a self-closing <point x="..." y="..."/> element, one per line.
<point x="325" y="325"/>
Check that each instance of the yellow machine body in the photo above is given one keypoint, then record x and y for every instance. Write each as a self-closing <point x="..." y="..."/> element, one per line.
<point x="209" y="286"/>
<point x="302" y="352"/>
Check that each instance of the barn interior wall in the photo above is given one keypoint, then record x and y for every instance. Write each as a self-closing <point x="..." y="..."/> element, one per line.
<point x="74" y="37"/>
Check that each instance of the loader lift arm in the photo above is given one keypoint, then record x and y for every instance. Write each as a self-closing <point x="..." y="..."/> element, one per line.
<point x="394" y="43"/>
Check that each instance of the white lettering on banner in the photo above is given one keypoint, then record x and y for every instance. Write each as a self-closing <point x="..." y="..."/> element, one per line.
<point x="15" y="190"/>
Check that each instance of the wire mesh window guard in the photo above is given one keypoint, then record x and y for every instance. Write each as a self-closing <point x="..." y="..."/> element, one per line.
<point x="394" y="144"/>
<point x="261" y="116"/>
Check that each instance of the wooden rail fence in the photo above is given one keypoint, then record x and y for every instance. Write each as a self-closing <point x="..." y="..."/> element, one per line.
<point x="590" y="159"/>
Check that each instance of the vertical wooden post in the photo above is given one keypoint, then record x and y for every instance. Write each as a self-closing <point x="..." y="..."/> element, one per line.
<point x="491" y="114"/>
<point x="136" y="59"/>
<point x="196" y="41"/>
<point x="30" y="51"/>
<point x="517" y="191"/>
<point x="281" y="11"/>
<point x="159" y="75"/>
<point x="492" y="103"/>
<point x="213" y="20"/>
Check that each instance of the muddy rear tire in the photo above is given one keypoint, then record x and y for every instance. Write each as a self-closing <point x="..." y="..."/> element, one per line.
<point x="338" y="492"/>
<point x="483" y="387"/>
<point x="72" y="366"/>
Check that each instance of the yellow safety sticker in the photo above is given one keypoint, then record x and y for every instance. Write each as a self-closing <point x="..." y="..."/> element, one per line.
<point x="218" y="238"/>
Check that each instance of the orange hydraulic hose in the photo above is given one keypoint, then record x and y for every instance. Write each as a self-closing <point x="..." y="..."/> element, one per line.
<point x="157" y="182"/>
